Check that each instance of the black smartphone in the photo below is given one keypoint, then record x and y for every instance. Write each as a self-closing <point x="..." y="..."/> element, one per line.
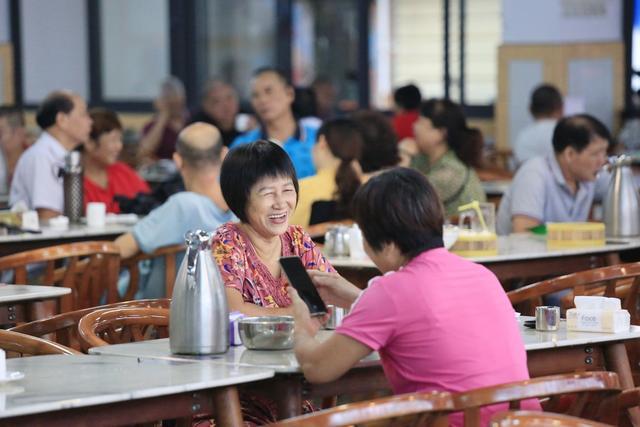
<point x="300" y="280"/>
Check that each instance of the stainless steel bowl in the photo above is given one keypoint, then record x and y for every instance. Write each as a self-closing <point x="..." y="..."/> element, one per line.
<point x="267" y="332"/>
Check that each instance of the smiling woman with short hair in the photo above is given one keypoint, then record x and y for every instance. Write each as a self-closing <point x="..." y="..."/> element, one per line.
<point x="260" y="186"/>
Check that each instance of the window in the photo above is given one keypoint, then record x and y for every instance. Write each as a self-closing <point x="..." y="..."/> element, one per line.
<point x="134" y="47"/>
<point x="233" y="38"/>
<point x="427" y="48"/>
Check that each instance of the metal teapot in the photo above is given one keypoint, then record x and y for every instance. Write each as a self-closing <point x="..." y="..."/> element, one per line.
<point x="199" y="314"/>
<point x="336" y="241"/>
<point x="621" y="203"/>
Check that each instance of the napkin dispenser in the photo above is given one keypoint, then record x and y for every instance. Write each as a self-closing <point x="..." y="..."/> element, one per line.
<point x="598" y="314"/>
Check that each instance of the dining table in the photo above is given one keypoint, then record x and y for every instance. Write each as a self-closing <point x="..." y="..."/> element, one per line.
<point x="548" y="353"/>
<point x="50" y="236"/>
<point x="64" y="390"/>
<point x="520" y="256"/>
<point x="23" y="303"/>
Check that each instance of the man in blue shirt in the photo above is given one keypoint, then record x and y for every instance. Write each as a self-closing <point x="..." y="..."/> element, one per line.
<point x="198" y="156"/>
<point x="271" y="98"/>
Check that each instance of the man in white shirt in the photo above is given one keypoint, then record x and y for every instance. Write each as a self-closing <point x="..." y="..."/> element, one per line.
<point x="546" y="107"/>
<point x="65" y="123"/>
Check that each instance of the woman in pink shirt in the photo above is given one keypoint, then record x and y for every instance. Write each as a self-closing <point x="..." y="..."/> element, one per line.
<point x="438" y="321"/>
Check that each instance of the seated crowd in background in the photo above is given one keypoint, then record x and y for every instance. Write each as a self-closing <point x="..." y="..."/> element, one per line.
<point x="65" y="124"/>
<point x="546" y="107"/>
<point x="14" y="139"/>
<point x="560" y="186"/>
<point x="199" y="153"/>
<point x="106" y="178"/>
<point x="448" y="153"/>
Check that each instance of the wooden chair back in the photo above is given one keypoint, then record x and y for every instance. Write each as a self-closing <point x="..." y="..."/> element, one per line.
<point x="20" y="345"/>
<point x="168" y="253"/>
<point x="121" y="325"/>
<point x="594" y="396"/>
<point x="90" y="269"/>
<point x="539" y="419"/>
<point x="415" y="409"/>
<point x="620" y="281"/>
<point x="63" y="328"/>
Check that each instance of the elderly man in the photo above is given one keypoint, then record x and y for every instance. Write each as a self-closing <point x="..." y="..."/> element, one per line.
<point x="66" y="124"/>
<point x="558" y="187"/>
<point x="158" y="139"/>
<point x="219" y="107"/>
<point x="271" y="98"/>
<point x="198" y="156"/>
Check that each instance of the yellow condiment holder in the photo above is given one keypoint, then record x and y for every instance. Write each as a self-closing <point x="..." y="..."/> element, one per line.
<point x="479" y="242"/>
<point x="575" y="234"/>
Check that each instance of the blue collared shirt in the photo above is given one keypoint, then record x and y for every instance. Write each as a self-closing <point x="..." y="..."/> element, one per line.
<point x="540" y="191"/>
<point x="298" y="147"/>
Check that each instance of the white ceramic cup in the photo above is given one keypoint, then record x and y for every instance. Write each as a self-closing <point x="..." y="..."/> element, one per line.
<point x="96" y="214"/>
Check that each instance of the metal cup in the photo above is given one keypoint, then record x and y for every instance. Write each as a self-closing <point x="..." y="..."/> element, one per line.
<point x="547" y="318"/>
<point x="335" y="318"/>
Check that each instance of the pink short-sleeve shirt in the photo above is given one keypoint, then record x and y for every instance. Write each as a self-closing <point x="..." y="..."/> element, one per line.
<point x="440" y="323"/>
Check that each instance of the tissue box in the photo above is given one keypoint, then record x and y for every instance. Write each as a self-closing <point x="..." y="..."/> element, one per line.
<point x="597" y="320"/>
<point x="234" y="330"/>
<point x="596" y="303"/>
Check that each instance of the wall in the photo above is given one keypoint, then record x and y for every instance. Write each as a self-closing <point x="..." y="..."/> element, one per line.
<point x="561" y="21"/>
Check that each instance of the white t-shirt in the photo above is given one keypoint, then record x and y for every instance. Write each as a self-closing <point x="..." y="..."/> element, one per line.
<point x="533" y="141"/>
<point x="36" y="180"/>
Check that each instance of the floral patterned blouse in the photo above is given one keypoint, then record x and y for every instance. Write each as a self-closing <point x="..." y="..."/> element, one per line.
<point x="241" y="268"/>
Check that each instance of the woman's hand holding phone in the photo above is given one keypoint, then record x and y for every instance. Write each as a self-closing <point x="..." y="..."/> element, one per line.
<point x="304" y="322"/>
<point x="334" y="289"/>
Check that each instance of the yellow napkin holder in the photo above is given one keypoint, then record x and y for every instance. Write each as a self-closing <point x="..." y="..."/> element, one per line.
<point x="476" y="244"/>
<point x="575" y="234"/>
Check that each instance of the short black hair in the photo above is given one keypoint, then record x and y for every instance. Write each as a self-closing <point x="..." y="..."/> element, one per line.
<point x="278" y="72"/>
<point x="247" y="164"/>
<point x="578" y="131"/>
<point x="399" y="206"/>
<point x="546" y="99"/>
<point x="380" y="149"/>
<point x="408" y="97"/>
<point x="54" y="103"/>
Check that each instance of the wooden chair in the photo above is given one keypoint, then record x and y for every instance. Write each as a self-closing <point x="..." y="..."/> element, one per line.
<point x="132" y="264"/>
<point x="63" y="328"/>
<point x="539" y="419"/>
<point x="620" y="281"/>
<point x="594" y="394"/>
<point x="90" y="269"/>
<point x="20" y="345"/>
<point x="120" y="325"/>
<point x="416" y="409"/>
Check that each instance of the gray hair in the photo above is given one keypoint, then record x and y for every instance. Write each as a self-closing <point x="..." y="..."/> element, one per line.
<point x="172" y="86"/>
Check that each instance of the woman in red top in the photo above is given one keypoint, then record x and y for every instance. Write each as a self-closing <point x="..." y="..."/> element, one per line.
<point x="104" y="176"/>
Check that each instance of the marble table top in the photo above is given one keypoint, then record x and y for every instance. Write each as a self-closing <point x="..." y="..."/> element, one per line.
<point x="284" y="361"/>
<point x="537" y="340"/>
<point x="281" y="361"/>
<point x="53" y="383"/>
<point x="74" y="231"/>
<point x="17" y="293"/>
<point x="516" y="247"/>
